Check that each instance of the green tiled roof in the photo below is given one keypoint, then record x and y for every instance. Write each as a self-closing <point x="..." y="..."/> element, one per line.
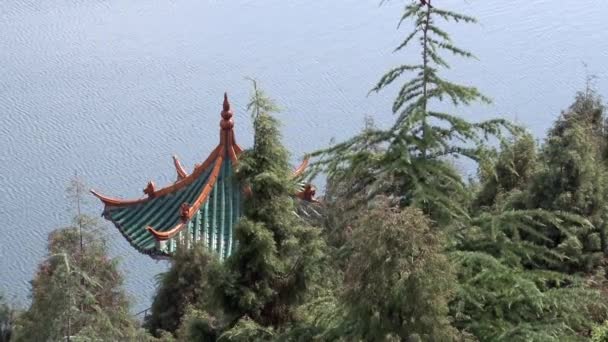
<point x="201" y="207"/>
<point x="160" y="213"/>
<point x="158" y="225"/>
<point x="212" y="224"/>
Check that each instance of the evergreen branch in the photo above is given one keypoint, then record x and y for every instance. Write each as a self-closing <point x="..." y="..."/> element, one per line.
<point x="455" y="50"/>
<point x="408" y="116"/>
<point x="406" y="40"/>
<point x="436" y="30"/>
<point x="460" y="94"/>
<point x="410" y="11"/>
<point x="437" y="59"/>
<point x="404" y="98"/>
<point x="390" y="76"/>
<point x="457" y="17"/>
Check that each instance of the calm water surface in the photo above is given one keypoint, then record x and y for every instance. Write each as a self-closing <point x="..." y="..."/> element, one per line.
<point x="111" y="89"/>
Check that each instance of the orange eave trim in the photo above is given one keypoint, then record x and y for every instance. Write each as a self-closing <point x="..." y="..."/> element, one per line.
<point x="207" y="189"/>
<point x="116" y="202"/>
<point x="237" y="148"/>
<point x="233" y="149"/>
<point x="161" y="236"/>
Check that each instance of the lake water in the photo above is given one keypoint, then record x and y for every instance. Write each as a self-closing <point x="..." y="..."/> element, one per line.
<point x="111" y="89"/>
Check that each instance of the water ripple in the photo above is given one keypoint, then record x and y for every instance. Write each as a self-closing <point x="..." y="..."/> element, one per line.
<point x="113" y="89"/>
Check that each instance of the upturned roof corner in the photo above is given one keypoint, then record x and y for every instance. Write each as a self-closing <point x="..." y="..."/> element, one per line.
<point x="202" y="206"/>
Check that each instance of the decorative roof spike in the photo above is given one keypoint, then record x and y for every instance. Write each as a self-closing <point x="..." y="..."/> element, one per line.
<point x="308" y="194"/>
<point x="184" y="211"/>
<point x="226" y="104"/>
<point x="150" y="189"/>
<point x="143" y="223"/>
<point x="300" y="169"/>
<point x="181" y="172"/>
<point x="227" y="122"/>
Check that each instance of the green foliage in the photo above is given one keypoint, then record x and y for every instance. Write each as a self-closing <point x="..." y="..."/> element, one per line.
<point x="535" y="225"/>
<point x="412" y="165"/>
<point x="506" y="175"/>
<point x="345" y="192"/>
<point x="535" y="220"/>
<point x="185" y="283"/>
<point x="278" y="254"/>
<point x="397" y="282"/>
<point x="501" y="302"/>
<point x="7" y="320"/>
<point x="600" y="333"/>
<point x="573" y="177"/>
<point x="247" y="330"/>
<point x="76" y="292"/>
<point x="198" y="326"/>
<point x="408" y="251"/>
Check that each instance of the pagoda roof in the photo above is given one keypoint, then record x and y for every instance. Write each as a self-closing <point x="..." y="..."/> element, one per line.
<point x="201" y="206"/>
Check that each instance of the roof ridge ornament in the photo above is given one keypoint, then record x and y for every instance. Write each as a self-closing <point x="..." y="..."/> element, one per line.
<point x="308" y="193"/>
<point x="150" y="189"/>
<point x="184" y="211"/>
<point x="181" y="172"/>
<point x="136" y="218"/>
<point x="227" y="122"/>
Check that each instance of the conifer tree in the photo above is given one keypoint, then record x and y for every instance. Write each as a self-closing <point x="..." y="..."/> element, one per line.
<point x="184" y="285"/>
<point x="7" y="320"/>
<point x="498" y="300"/>
<point x="277" y="260"/>
<point x="600" y="333"/>
<point x="519" y="244"/>
<point x="413" y="167"/>
<point x="76" y="294"/>
<point x="77" y="291"/>
<point x="501" y="249"/>
<point x="504" y="178"/>
<point x="397" y="281"/>
<point x="344" y="192"/>
<point x="574" y="178"/>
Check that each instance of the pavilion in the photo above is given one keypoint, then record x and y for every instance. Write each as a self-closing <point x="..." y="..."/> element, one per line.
<point x="202" y="206"/>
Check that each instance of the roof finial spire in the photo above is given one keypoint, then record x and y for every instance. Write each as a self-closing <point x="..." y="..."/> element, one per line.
<point x="227" y="122"/>
<point x="226" y="103"/>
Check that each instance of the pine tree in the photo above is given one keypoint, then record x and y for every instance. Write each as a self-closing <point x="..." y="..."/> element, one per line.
<point x="500" y="301"/>
<point x="77" y="291"/>
<point x="184" y="285"/>
<point x="504" y="177"/>
<point x="507" y="291"/>
<point x="344" y="192"/>
<point x="413" y="167"/>
<point x="76" y="294"/>
<point x="278" y="258"/>
<point x="517" y="255"/>
<point x="573" y="177"/>
<point x="600" y="333"/>
<point x="7" y="320"/>
<point x="398" y="283"/>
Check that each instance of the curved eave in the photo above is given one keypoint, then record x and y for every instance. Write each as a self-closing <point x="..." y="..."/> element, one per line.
<point x="153" y="252"/>
<point x="226" y="151"/>
<point x="202" y="197"/>
<point x="163" y="236"/>
<point x="116" y="202"/>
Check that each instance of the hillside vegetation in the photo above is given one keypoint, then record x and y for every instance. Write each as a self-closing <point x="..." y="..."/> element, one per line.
<point x="401" y="247"/>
